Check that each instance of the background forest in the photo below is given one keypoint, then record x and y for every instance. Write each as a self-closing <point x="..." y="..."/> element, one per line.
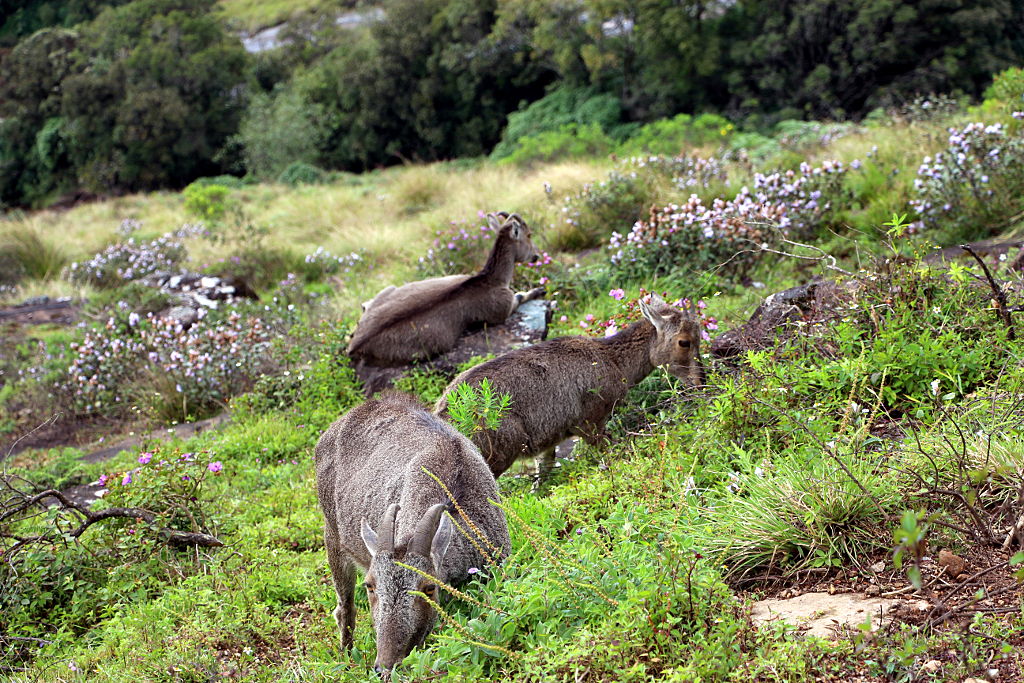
<point x="113" y="97"/>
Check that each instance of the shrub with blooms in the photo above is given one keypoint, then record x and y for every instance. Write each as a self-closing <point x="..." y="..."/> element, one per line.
<point x="131" y="259"/>
<point x="974" y="185"/>
<point x="327" y="263"/>
<point x="195" y="369"/>
<point x="629" y="189"/>
<point x="169" y="484"/>
<point x="727" y="235"/>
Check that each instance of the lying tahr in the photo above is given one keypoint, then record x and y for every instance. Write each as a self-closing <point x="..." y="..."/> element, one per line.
<point x="383" y="510"/>
<point x="423" y="319"/>
<point x="570" y="385"/>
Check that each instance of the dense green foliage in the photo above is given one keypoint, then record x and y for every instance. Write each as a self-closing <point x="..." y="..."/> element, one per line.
<point x="155" y="93"/>
<point x="143" y="97"/>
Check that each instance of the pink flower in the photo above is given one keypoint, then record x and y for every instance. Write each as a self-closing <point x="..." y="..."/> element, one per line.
<point x="617" y="294"/>
<point x="584" y="325"/>
<point x="563" y="319"/>
<point x="145" y="458"/>
<point x="544" y="280"/>
<point x="589" y="318"/>
<point x="102" y="480"/>
<point x="612" y="330"/>
<point x="215" y="467"/>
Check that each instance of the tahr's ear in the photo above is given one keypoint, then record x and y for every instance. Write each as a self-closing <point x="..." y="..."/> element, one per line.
<point x="369" y="537"/>
<point x="442" y="538"/>
<point x="653" y="316"/>
<point x="496" y="220"/>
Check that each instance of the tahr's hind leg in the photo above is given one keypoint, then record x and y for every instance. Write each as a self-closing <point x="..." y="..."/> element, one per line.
<point x="545" y="463"/>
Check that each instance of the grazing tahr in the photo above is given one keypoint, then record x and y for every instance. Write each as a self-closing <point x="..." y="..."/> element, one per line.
<point x="422" y="319"/>
<point x="381" y="508"/>
<point x="570" y="385"/>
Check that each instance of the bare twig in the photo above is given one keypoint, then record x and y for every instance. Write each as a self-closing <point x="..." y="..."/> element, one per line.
<point x="1000" y="296"/>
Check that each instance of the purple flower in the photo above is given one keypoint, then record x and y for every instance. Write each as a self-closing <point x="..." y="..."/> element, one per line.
<point x="473" y="570"/>
<point x="215" y="467"/>
<point x="127" y="479"/>
<point x="102" y="480"/>
<point x="617" y="294"/>
<point x="145" y="458"/>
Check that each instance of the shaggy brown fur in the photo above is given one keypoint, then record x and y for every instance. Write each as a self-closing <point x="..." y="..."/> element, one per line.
<point x="422" y="319"/>
<point x="571" y="385"/>
<point x="369" y="472"/>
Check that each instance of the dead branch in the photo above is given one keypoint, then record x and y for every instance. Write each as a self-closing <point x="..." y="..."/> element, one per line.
<point x="13" y="509"/>
<point x="1002" y="310"/>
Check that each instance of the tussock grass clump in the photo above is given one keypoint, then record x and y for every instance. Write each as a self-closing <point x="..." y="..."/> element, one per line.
<point x="797" y="515"/>
<point x="27" y="253"/>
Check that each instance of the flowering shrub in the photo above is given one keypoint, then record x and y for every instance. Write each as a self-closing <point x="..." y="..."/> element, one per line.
<point x="130" y="260"/>
<point x="194" y="370"/>
<point x="326" y="263"/>
<point x="727" y="234"/>
<point x="629" y="190"/>
<point x="170" y="485"/>
<point x="630" y="312"/>
<point x="973" y="185"/>
<point x="798" y="135"/>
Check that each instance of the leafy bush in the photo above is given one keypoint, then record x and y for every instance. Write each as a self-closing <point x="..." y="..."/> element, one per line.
<point x="314" y="377"/>
<point x="564" y="111"/>
<point x="263" y="268"/>
<point x="568" y="142"/>
<point x="279" y="130"/>
<point x="301" y="173"/>
<point x="672" y="136"/>
<point x="974" y="185"/>
<point x="168" y="484"/>
<point x="1006" y="95"/>
<point x="628" y="193"/>
<point x="801" y="135"/>
<point x="229" y="181"/>
<point x="206" y="201"/>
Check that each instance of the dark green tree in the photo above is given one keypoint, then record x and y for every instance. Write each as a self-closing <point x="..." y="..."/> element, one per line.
<point x="830" y="58"/>
<point x="33" y="144"/>
<point x="160" y="88"/>
<point x="429" y="81"/>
